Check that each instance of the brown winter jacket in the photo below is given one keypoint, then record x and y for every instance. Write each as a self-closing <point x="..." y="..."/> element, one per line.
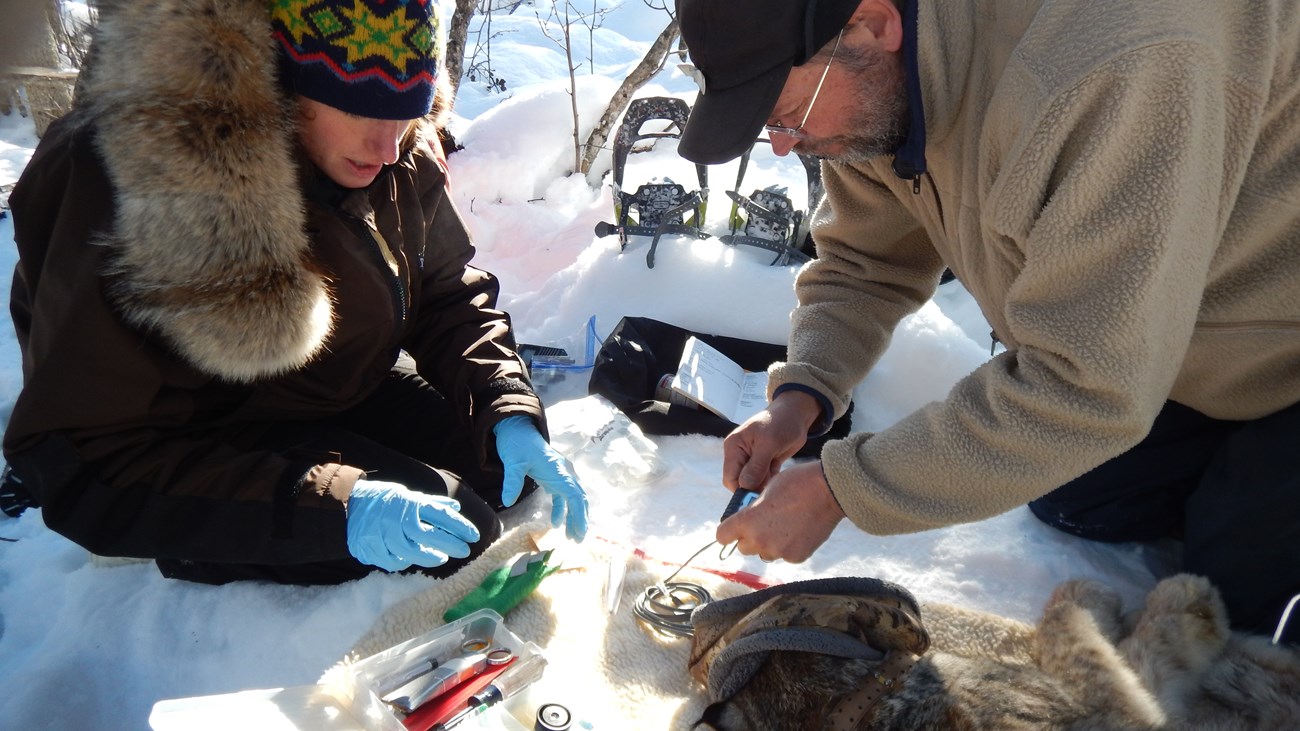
<point x="176" y="284"/>
<point x="1118" y="185"/>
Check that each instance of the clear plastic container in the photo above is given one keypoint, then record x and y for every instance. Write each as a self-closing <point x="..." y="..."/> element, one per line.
<point x="352" y="700"/>
<point x="559" y="377"/>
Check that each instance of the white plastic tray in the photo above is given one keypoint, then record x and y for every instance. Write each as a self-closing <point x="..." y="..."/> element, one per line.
<point x="350" y="704"/>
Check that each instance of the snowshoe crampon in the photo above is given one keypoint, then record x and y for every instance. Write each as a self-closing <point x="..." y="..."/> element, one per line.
<point x="655" y="208"/>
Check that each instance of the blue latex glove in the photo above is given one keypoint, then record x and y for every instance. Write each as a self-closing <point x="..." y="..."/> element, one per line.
<point x="523" y="451"/>
<point x="392" y="526"/>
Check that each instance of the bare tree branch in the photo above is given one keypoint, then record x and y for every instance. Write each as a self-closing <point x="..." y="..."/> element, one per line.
<point x="644" y="71"/>
<point x="565" y="42"/>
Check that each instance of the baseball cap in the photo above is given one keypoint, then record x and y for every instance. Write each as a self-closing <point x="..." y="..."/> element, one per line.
<point x="744" y="49"/>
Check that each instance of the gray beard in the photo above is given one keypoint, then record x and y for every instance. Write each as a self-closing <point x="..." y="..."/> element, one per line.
<point x="880" y="121"/>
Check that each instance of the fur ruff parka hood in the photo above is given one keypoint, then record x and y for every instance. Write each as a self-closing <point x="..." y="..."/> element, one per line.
<point x="209" y="243"/>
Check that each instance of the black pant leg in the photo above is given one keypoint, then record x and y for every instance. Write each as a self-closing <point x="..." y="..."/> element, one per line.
<point x="1243" y="523"/>
<point x="1230" y="489"/>
<point x="1139" y="495"/>
<point x="322" y="573"/>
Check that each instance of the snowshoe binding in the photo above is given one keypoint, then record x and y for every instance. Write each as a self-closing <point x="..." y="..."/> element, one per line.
<point x="767" y="218"/>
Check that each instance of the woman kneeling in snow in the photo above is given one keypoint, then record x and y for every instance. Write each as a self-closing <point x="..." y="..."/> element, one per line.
<point x="253" y="344"/>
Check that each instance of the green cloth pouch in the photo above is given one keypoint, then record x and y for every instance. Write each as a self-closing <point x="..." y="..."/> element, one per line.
<point x="505" y="587"/>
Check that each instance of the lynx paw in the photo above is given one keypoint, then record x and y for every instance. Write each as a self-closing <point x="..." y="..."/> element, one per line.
<point x="1187" y="611"/>
<point x="1186" y="593"/>
<point x="1182" y="630"/>
<point x="1076" y="645"/>
<point x="1102" y="602"/>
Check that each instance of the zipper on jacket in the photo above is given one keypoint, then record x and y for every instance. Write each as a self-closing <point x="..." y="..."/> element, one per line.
<point x="399" y="290"/>
<point x="907" y="170"/>
<point x="909" y="158"/>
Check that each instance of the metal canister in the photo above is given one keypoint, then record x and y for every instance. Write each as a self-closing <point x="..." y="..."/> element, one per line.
<point x="552" y="717"/>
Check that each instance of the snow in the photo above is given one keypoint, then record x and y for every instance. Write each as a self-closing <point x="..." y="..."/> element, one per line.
<point x="93" y="646"/>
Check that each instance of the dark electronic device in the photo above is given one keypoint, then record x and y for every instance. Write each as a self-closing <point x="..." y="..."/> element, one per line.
<point x="739" y="499"/>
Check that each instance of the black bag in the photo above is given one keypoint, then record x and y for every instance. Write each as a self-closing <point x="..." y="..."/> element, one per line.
<point x="640" y="351"/>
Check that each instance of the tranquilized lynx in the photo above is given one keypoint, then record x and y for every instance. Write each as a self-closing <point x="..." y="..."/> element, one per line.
<point x="1174" y="664"/>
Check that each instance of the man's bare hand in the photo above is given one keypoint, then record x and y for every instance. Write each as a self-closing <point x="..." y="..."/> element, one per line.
<point x="792" y="518"/>
<point x="756" y="449"/>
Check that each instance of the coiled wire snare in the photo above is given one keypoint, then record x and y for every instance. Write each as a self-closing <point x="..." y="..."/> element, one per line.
<point x="667" y="606"/>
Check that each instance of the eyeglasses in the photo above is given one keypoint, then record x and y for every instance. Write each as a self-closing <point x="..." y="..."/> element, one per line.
<point x="797" y="132"/>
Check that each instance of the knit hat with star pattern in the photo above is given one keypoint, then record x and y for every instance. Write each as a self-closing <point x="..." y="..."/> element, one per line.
<point x="371" y="58"/>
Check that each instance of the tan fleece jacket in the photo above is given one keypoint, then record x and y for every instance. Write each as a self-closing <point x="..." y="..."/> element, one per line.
<point x="1118" y="185"/>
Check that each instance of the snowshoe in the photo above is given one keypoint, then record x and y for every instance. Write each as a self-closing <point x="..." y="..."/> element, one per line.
<point x="767" y="218"/>
<point x="812" y="168"/>
<point x="769" y="222"/>
<point x="655" y="208"/>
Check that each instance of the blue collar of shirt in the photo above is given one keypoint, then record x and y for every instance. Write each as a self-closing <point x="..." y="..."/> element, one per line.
<point x="909" y="159"/>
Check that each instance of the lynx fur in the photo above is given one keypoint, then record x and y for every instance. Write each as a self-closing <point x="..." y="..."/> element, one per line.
<point x="1174" y="664"/>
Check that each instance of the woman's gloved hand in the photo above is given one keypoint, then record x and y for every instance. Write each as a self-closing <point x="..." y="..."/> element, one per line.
<point x="524" y="452"/>
<point x="393" y="527"/>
